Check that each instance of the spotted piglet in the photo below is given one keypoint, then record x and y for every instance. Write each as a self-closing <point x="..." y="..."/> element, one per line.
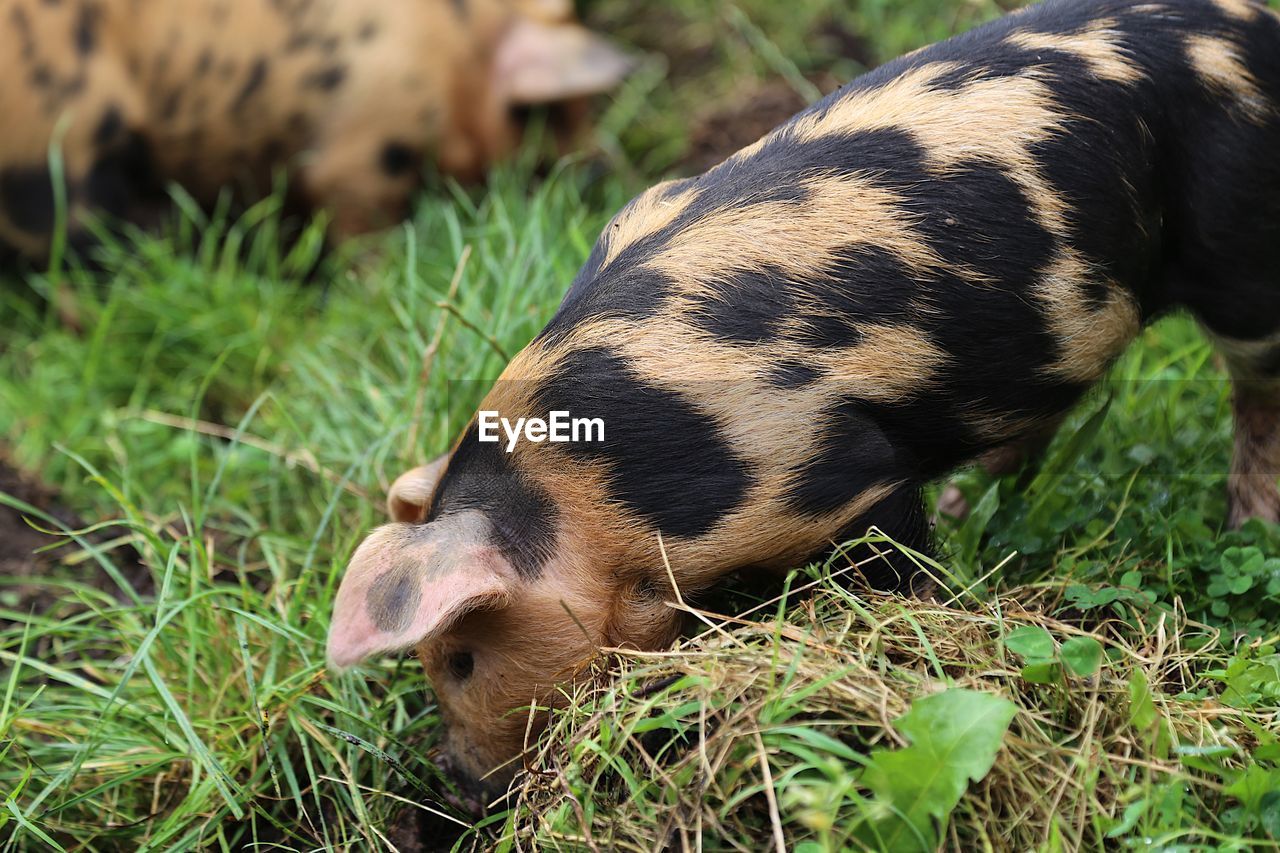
<point x="928" y="266"/>
<point x="354" y="98"/>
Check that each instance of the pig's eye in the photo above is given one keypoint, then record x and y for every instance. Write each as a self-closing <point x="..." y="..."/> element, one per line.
<point x="460" y="665"/>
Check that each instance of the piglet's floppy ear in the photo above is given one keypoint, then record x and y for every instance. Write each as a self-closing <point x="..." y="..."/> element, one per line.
<point x="411" y="492"/>
<point x="539" y="63"/>
<point x="408" y="583"/>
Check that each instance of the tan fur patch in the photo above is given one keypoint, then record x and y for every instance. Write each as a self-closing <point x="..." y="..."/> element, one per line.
<point x="800" y="239"/>
<point x="998" y="428"/>
<point x="1096" y="45"/>
<point x="890" y="364"/>
<point x="1241" y="10"/>
<point x="772" y="430"/>
<point x="1090" y="337"/>
<point x="1219" y="66"/>
<point x="987" y="119"/>
<point x="654" y="210"/>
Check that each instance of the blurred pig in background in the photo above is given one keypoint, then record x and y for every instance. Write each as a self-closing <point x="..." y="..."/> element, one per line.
<point x="354" y="101"/>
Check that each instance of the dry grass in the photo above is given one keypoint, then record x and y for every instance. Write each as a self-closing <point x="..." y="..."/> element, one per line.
<point x="666" y="750"/>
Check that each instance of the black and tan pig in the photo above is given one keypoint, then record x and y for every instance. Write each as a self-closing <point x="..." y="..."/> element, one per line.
<point x="930" y="266"/>
<point x="353" y="99"/>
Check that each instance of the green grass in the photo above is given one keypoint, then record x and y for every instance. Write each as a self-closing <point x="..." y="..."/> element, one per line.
<point x="239" y="424"/>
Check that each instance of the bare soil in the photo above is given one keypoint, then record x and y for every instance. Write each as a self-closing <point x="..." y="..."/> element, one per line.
<point x="25" y="551"/>
<point x="753" y="112"/>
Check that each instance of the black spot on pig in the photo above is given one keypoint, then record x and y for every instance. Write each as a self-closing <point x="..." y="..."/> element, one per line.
<point x="110" y="126"/>
<point x="1097" y="293"/>
<point x="396" y="159"/>
<point x="821" y="328"/>
<point x="870" y="285"/>
<point x="26" y="194"/>
<point x="252" y="83"/>
<point x="86" y="29"/>
<point x="853" y="454"/>
<point x="778" y="170"/>
<point x="792" y="374"/>
<point x="975" y="216"/>
<point x="121" y="176"/>
<point x="668" y="462"/>
<point x="901" y="516"/>
<point x="622" y="290"/>
<point x="1105" y="219"/>
<point x="1010" y="61"/>
<point x="746" y="308"/>
<point x="326" y="79"/>
<point x="521" y="514"/>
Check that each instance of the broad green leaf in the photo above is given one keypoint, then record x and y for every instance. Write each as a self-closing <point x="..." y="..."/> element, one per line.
<point x="1031" y="642"/>
<point x="1269" y="807"/>
<point x="954" y="736"/>
<point x="1142" y="709"/>
<point x="1132" y="813"/>
<point x="1249" y="683"/>
<point x="1242" y="561"/>
<point x="1254" y="784"/>
<point x="975" y="525"/>
<point x="1267" y="752"/>
<point x="1085" y="598"/>
<point x="1042" y="672"/>
<point x="1082" y="655"/>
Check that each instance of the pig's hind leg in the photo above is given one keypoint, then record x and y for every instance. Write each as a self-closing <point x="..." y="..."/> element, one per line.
<point x="1255" y="462"/>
